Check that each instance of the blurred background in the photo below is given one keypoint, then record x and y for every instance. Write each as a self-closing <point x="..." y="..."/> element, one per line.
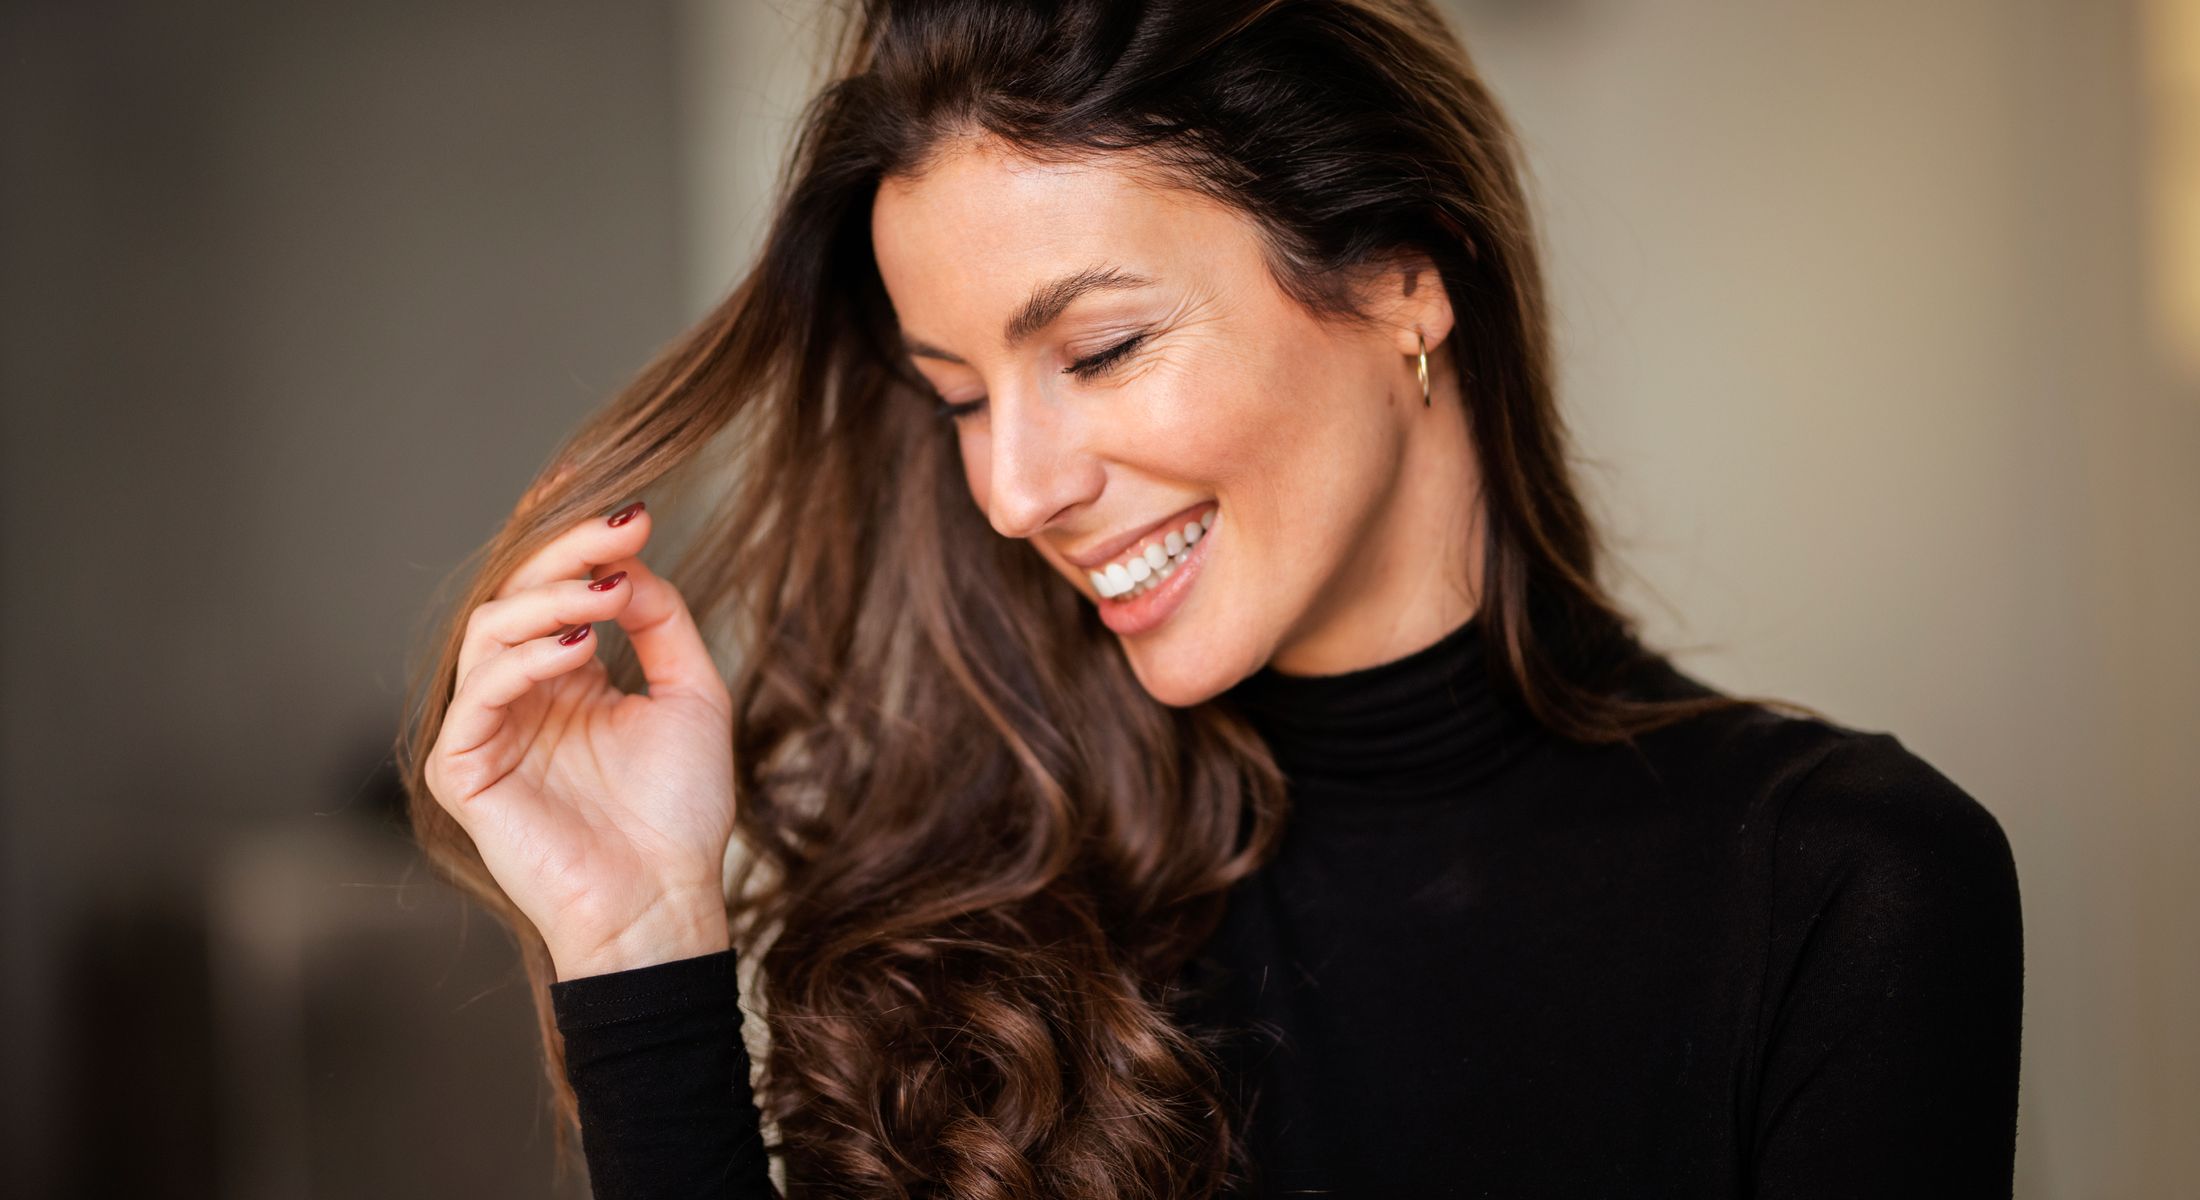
<point x="1881" y="332"/>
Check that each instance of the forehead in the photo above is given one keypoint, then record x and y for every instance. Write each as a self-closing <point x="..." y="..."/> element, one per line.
<point x="974" y="232"/>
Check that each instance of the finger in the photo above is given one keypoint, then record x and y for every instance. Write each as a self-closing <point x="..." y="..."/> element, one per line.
<point x="673" y="656"/>
<point x="499" y="625"/>
<point x="572" y="553"/>
<point x="484" y="698"/>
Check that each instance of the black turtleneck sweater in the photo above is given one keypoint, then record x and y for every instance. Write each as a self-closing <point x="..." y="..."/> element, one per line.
<point x="1749" y="955"/>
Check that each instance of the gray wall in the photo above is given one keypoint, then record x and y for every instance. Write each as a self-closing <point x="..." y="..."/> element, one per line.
<point x="296" y="297"/>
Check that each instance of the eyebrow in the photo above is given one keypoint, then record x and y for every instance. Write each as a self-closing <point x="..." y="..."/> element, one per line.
<point x="1047" y="301"/>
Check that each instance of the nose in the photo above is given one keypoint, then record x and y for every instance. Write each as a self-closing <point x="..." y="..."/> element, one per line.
<point x="1040" y="465"/>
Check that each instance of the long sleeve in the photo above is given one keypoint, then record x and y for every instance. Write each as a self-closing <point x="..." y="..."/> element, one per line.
<point x="1893" y="999"/>
<point x="656" y="1058"/>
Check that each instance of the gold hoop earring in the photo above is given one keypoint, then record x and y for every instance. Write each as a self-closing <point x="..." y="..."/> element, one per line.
<point x="1422" y="368"/>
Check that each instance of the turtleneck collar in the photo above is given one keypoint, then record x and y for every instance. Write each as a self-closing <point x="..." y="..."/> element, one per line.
<point x="1427" y="724"/>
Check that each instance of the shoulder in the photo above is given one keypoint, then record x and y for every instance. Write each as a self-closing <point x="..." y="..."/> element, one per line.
<point x="1897" y="844"/>
<point x="1867" y="793"/>
<point x="1853" y="829"/>
<point x="1880" y="949"/>
<point x="1836" y="804"/>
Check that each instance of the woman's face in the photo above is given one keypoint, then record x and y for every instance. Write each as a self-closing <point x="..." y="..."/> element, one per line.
<point x="1231" y="481"/>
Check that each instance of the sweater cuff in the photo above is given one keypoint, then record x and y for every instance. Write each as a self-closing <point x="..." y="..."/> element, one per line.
<point x="704" y="983"/>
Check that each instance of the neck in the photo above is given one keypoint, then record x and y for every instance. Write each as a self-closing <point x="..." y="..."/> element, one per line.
<point x="1423" y="725"/>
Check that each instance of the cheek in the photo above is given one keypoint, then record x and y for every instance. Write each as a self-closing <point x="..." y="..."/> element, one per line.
<point x="1219" y="423"/>
<point x="1274" y="436"/>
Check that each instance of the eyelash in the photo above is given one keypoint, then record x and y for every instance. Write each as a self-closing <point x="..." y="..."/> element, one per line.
<point x="1089" y="367"/>
<point x="1084" y="368"/>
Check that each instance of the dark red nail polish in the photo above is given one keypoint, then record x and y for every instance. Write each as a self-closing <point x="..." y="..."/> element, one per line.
<point x="607" y="582"/>
<point x="573" y="635"/>
<point x="626" y="514"/>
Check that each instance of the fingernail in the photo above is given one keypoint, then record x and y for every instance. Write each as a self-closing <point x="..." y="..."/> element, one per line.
<point x="573" y="635"/>
<point x="626" y="514"/>
<point x="607" y="582"/>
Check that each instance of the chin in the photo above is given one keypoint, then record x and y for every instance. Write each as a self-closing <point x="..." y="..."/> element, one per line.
<point x="1175" y="685"/>
<point x="1182" y="668"/>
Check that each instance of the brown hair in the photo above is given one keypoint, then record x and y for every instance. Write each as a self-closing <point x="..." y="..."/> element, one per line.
<point x="980" y="852"/>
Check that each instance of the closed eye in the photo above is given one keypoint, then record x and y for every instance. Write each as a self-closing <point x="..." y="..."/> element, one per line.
<point x="1086" y="368"/>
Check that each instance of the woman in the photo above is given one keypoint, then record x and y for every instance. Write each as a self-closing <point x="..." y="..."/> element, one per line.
<point x="1178" y="737"/>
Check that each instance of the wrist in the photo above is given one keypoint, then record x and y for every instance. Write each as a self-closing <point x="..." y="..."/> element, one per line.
<point x="666" y="933"/>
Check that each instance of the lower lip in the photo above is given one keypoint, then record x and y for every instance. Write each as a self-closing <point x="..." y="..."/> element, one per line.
<point x="1154" y="605"/>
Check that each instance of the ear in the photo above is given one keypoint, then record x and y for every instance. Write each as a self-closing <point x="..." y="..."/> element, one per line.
<point x="1409" y="298"/>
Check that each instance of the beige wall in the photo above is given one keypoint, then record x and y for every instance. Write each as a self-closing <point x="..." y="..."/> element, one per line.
<point x="1852" y="310"/>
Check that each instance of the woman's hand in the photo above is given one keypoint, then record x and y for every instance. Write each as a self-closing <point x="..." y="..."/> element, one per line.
<point x="604" y="816"/>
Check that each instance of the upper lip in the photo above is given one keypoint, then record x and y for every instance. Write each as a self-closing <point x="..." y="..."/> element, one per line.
<point x="1107" y="550"/>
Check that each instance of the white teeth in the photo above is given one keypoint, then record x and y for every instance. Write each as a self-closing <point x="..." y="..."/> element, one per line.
<point x="1151" y="563"/>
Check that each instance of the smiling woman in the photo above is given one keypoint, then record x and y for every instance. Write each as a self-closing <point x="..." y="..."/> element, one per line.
<point x="1181" y="740"/>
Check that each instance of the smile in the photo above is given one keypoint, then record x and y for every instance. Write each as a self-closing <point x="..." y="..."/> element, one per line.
<point x="1149" y="564"/>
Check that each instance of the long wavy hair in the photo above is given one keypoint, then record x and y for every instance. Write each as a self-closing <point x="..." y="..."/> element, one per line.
<point x="972" y="854"/>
